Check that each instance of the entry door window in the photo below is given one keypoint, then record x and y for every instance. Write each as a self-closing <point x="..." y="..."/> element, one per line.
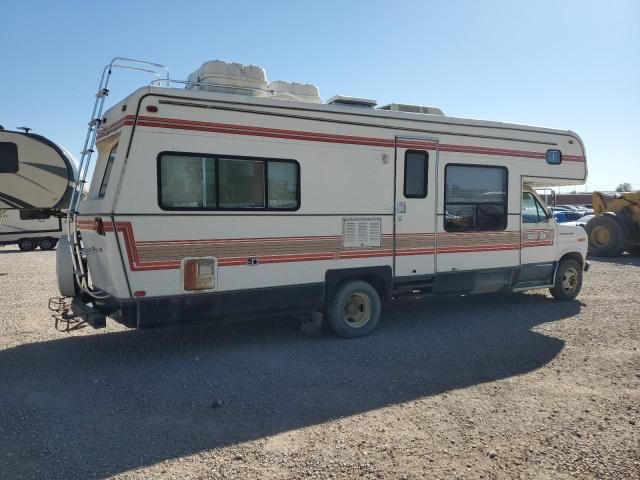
<point x="416" y="166"/>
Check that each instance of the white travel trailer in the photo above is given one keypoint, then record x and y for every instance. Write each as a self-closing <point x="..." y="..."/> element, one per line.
<point x="36" y="181"/>
<point x="30" y="229"/>
<point x="226" y="197"/>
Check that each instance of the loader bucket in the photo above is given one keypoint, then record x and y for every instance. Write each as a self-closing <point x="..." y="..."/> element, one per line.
<point x="35" y="173"/>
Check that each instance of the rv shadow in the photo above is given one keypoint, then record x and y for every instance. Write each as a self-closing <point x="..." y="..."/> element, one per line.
<point x="93" y="406"/>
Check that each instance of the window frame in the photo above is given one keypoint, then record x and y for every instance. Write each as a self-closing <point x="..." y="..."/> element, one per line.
<point x="106" y="176"/>
<point x="426" y="174"/>
<point x="475" y="204"/>
<point x="217" y="156"/>
<point x="539" y="209"/>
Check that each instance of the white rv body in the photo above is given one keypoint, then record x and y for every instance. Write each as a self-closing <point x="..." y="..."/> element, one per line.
<point x="341" y="212"/>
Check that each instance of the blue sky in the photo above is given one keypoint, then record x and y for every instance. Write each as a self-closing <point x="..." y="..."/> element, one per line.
<point x="565" y="64"/>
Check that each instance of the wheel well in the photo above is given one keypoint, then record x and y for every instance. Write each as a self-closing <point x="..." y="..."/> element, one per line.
<point x="378" y="277"/>
<point x="573" y="256"/>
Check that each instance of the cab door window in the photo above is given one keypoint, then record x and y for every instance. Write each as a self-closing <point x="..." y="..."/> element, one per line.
<point x="532" y="211"/>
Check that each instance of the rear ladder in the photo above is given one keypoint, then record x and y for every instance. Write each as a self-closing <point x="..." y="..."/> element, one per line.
<point x="75" y="240"/>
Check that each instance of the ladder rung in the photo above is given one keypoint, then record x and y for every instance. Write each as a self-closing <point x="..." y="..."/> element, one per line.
<point x="94" y="122"/>
<point x="88" y="150"/>
<point x="102" y="93"/>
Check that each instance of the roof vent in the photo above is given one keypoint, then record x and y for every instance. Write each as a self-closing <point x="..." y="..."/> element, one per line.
<point x="352" y="102"/>
<point x="403" y="107"/>
<point x="301" y="92"/>
<point x="228" y="77"/>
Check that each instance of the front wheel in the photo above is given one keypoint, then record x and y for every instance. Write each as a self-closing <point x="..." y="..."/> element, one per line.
<point x="568" y="280"/>
<point x="26" y="244"/>
<point x="354" y="310"/>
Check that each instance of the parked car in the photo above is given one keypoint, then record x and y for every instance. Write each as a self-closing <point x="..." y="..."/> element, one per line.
<point x="563" y="215"/>
<point x="581" y="222"/>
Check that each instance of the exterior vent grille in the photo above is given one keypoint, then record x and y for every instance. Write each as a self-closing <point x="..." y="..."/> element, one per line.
<point x="362" y="232"/>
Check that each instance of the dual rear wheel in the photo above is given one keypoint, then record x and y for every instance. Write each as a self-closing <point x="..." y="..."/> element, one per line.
<point x="354" y="310"/>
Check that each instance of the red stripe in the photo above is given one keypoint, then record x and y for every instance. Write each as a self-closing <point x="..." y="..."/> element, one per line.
<point x="125" y="228"/>
<point x="179" y="124"/>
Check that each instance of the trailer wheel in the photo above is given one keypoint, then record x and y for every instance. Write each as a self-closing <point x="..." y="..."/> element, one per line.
<point x="47" y="243"/>
<point x="26" y="244"/>
<point x="568" y="280"/>
<point x="354" y="310"/>
<point x="606" y="236"/>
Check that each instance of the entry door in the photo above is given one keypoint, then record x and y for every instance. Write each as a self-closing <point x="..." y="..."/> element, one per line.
<point x="416" y="162"/>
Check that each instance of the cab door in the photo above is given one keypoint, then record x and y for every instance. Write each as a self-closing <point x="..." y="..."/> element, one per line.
<point x="538" y="241"/>
<point x="415" y="206"/>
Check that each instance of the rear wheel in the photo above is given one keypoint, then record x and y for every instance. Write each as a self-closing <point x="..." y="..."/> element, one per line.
<point x="568" y="280"/>
<point x="47" y="244"/>
<point x="354" y="310"/>
<point x="606" y="236"/>
<point x="26" y="244"/>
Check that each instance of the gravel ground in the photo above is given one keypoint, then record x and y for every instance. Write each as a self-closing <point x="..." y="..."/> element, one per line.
<point x="489" y="387"/>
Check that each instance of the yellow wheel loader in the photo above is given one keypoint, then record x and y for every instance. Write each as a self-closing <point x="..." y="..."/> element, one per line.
<point x="616" y="226"/>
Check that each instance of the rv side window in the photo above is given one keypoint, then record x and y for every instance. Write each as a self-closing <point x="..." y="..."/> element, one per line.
<point x="8" y="157"/>
<point x="283" y="184"/>
<point x="554" y="157"/>
<point x="187" y="182"/>
<point x="196" y="182"/>
<point x="241" y="183"/>
<point x="107" y="171"/>
<point x="415" y="174"/>
<point x="475" y="198"/>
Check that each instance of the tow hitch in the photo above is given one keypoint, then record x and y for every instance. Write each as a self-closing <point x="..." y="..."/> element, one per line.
<point x="72" y="314"/>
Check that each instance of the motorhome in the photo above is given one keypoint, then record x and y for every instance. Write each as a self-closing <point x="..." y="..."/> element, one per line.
<point x="225" y="195"/>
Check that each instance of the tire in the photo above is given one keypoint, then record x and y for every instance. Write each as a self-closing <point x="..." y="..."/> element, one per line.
<point x="26" y="244"/>
<point x="354" y="310"/>
<point x="47" y="243"/>
<point x="568" y="280"/>
<point x="606" y="236"/>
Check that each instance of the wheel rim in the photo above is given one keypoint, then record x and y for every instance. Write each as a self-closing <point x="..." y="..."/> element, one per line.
<point x="357" y="310"/>
<point x="27" y="244"/>
<point x="570" y="279"/>
<point x="45" y="244"/>
<point x="601" y="236"/>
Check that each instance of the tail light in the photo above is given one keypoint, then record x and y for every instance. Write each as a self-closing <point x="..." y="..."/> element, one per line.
<point x="99" y="227"/>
